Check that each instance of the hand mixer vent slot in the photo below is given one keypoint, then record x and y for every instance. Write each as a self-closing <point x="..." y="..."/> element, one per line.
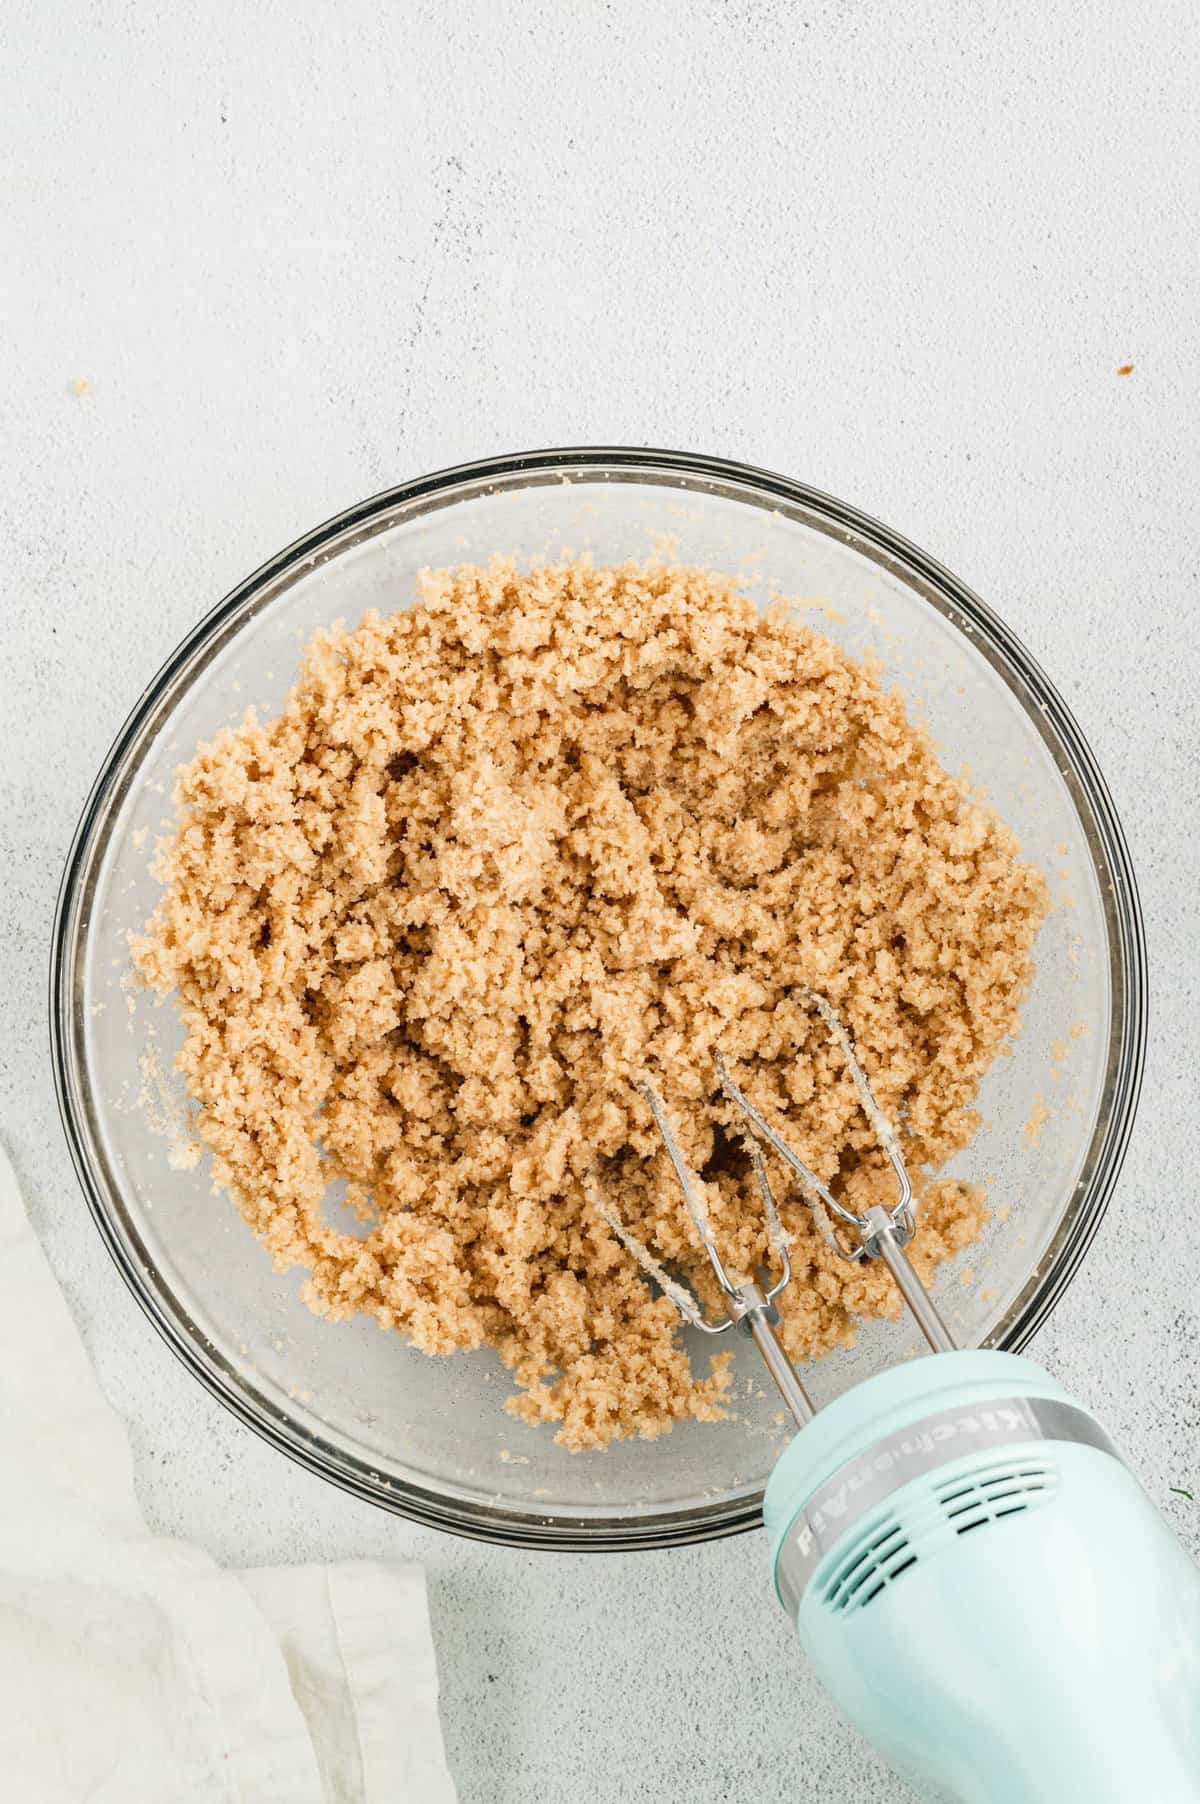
<point x="887" y="1547"/>
<point x="990" y="1492"/>
<point x="878" y="1557"/>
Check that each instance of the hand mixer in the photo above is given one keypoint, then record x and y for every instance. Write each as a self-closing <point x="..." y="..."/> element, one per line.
<point x="979" y="1580"/>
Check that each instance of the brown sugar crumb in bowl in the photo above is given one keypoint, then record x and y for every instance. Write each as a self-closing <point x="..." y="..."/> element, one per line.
<point x="512" y="848"/>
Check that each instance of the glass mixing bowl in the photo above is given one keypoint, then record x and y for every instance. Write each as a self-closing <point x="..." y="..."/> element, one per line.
<point x="430" y="1438"/>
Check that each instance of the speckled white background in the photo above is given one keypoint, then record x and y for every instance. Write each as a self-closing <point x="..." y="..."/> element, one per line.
<point x="304" y="251"/>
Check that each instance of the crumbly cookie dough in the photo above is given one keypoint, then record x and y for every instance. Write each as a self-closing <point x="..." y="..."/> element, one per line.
<point x="504" y="852"/>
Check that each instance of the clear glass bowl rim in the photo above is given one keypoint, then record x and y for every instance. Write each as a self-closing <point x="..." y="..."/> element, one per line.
<point x="1032" y="688"/>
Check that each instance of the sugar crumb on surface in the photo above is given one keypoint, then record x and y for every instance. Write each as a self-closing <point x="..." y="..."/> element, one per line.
<point x="163" y="1112"/>
<point x="505" y="850"/>
<point x="1039" y="1115"/>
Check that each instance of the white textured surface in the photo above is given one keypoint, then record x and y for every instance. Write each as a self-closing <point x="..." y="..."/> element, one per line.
<point x="301" y="252"/>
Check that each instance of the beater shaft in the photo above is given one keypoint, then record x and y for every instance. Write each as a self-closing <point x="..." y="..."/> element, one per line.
<point x="886" y="1244"/>
<point x="782" y="1371"/>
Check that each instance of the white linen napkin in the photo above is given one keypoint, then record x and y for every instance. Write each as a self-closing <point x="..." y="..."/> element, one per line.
<point x="135" y="1670"/>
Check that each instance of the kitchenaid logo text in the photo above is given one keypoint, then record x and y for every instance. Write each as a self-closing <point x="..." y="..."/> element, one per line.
<point x="919" y="1448"/>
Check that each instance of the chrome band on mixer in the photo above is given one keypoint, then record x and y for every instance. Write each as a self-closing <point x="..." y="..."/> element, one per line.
<point x="923" y="1446"/>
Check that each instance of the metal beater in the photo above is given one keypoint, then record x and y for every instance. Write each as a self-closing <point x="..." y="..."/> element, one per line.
<point x="978" y="1578"/>
<point x="878" y="1233"/>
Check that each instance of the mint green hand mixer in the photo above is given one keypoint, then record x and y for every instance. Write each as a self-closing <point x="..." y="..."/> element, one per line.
<point x="979" y="1580"/>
